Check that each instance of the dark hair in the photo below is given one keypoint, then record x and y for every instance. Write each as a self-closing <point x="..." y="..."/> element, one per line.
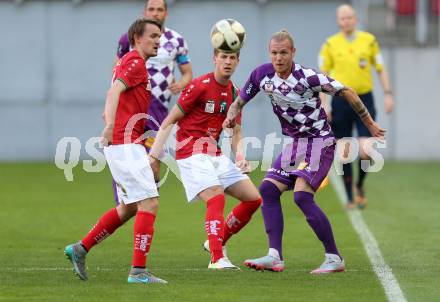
<point x="138" y="28"/>
<point x="217" y="51"/>
<point x="165" y="4"/>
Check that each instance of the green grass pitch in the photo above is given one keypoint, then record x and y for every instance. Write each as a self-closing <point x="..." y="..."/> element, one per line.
<point x="40" y="213"/>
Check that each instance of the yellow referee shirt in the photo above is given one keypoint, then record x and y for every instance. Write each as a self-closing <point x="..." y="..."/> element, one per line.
<point x="350" y="61"/>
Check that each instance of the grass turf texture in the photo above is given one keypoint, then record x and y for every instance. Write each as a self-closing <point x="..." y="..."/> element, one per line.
<point x="41" y="213"/>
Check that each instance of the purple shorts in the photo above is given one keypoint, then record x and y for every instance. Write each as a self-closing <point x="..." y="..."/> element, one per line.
<point x="308" y="158"/>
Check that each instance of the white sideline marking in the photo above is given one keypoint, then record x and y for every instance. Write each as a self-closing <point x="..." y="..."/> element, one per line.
<point x="380" y="267"/>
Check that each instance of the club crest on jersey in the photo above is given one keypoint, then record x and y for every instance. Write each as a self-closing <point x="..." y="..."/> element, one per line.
<point x="268" y="86"/>
<point x="210" y="106"/>
<point x="284" y="89"/>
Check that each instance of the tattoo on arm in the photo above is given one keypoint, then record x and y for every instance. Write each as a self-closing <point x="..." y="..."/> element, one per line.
<point x="356" y="103"/>
<point x="235" y="108"/>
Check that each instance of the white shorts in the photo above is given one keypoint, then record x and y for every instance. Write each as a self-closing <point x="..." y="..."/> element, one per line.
<point x="199" y="172"/>
<point x="131" y="171"/>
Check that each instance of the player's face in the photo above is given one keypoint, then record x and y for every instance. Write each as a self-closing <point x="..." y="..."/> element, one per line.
<point x="226" y="63"/>
<point x="155" y="9"/>
<point x="149" y="41"/>
<point x="346" y="19"/>
<point x="281" y="55"/>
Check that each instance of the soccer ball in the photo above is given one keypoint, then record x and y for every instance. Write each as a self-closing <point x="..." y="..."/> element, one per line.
<point x="228" y="35"/>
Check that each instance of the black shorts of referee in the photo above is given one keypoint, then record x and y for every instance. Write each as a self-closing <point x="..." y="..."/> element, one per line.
<point x="344" y="119"/>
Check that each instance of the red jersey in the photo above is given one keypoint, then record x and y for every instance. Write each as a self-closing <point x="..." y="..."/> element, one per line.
<point x="134" y="100"/>
<point x="205" y="103"/>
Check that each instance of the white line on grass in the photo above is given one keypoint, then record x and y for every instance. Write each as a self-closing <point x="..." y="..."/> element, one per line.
<point x="380" y="267"/>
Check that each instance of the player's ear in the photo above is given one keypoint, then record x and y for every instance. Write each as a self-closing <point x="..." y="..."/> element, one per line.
<point x="293" y="51"/>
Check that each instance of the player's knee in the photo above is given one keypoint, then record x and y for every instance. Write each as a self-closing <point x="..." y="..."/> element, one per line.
<point x="216" y="203"/>
<point x="252" y="205"/>
<point x="149" y="205"/>
<point x="303" y="198"/>
<point x="269" y="192"/>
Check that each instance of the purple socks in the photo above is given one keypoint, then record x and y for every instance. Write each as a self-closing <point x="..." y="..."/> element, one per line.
<point x="274" y="222"/>
<point x="317" y="220"/>
<point x="272" y="215"/>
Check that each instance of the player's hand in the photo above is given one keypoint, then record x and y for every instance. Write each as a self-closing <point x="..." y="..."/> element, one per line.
<point x="376" y="130"/>
<point x="389" y="103"/>
<point x="175" y="88"/>
<point x="106" y="136"/>
<point x="228" y="123"/>
<point x="243" y="165"/>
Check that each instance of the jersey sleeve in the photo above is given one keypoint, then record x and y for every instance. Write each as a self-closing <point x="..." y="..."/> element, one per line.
<point x="325" y="61"/>
<point x="132" y="72"/>
<point x="123" y="46"/>
<point x="189" y="97"/>
<point x="182" y="52"/>
<point x="376" y="56"/>
<point x="319" y="82"/>
<point x="251" y="88"/>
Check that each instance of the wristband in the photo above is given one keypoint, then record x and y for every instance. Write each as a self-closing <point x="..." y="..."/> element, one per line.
<point x="153" y="157"/>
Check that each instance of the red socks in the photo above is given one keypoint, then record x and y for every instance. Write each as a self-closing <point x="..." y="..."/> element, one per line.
<point x="239" y="217"/>
<point x="105" y="226"/>
<point x="143" y="235"/>
<point x="214" y="224"/>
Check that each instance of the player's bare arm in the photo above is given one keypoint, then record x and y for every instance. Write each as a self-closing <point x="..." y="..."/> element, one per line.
<point x="385" y="81"/>
<point x="186" y="77"/>
<point x="233" y="112"/>
<point x="359" y="107"/>
<point x="237" y="148"/>
<point x="325" y="102"/>
<point x="172" y="118"/>
<point x="111" y="104"/>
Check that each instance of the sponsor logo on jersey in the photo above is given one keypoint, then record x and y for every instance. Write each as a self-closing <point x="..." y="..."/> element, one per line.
<point x="249" y="88"/>
<point x="268" y="86"/>
<point x="210" y="106"/>
<point x="223" y="107"/>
